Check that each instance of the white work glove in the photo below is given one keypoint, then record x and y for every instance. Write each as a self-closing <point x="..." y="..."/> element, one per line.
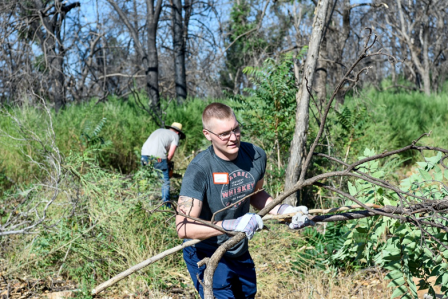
<point x="300" y="219"/>
<point x="248" y="224"/>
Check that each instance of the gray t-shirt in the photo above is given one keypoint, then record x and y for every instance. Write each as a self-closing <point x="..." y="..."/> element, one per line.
<point x="205" y="179"/>
<point x="159" y="142"/>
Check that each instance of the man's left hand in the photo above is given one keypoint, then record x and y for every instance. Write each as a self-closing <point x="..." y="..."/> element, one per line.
<point x="300" y="219"/>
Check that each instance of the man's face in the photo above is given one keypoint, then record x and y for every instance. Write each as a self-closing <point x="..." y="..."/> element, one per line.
<point x="225" y="137"/>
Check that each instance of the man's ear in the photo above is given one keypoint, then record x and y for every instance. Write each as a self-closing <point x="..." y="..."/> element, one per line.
<point x="207" y="134"/>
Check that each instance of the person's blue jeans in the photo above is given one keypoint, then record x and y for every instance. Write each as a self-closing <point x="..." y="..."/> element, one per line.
<point x="161" y="164"/>
<point x="233" y="278"/>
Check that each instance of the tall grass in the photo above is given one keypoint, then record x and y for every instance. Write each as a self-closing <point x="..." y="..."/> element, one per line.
<point x="396" y="119"/>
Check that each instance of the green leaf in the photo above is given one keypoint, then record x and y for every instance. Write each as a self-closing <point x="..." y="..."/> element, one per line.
<point x="368" y="152"/>
<point x="426" y="176"/>
<point x="348" y="242"/>
<point x="362" y="230"/>
<point x="432" y="161"/>
<point x="396" y="282"/>
<point x="411" y="285"/>
<point x="389" y="202"/>
<point x="394" y="274"/>
<point x="399" y="292"/>
<point x="438" y="175"/>
<point x="351" y="189"/>
<point x="25" y="192"/>
<point x="408" y="240"/>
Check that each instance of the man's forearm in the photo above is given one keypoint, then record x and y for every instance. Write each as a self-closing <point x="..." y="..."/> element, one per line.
<point x="261" y="200"/>
<point x="191" y="229"/>
<point x="274" y="211"/>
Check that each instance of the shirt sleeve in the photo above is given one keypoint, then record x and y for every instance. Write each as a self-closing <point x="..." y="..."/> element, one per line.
<point x="262" y="158"/>
<point x="194" y="182"/>
<point x="175" y="140"/>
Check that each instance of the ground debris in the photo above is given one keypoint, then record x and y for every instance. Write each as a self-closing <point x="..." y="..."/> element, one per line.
<point x="24" y="288"/>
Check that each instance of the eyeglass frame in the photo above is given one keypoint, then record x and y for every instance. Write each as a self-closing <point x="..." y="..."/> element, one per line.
<point x="239" y="127"/>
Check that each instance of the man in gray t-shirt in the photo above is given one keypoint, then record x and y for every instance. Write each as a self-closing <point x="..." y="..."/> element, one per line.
<point x="221" y="181"/>
<point x="159" y="149"/>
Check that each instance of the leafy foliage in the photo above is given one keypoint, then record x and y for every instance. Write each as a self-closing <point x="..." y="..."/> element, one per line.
<point x="320" y="246"/>
<point x="401" y="248"/>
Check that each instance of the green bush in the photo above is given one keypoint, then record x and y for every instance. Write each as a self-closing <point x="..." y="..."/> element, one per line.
<point x="399" y="247"/>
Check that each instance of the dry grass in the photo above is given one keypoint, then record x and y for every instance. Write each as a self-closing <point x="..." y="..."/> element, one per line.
<point x="279" y="277"/>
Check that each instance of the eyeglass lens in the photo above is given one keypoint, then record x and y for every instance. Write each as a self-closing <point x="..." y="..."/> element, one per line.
<point x="226" y="135"/>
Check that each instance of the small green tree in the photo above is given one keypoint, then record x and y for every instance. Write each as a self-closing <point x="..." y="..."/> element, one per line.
<point x="269" y="110"/>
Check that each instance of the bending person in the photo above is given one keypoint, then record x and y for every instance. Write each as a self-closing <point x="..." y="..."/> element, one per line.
<point x="159" y="149"/>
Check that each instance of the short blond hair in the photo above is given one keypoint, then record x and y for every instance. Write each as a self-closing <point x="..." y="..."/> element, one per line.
<point x="216" y="110"/>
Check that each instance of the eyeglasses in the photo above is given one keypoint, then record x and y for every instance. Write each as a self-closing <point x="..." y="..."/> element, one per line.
<point x="226" y="135"/>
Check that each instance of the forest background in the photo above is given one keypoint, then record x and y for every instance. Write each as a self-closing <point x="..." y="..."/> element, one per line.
<point x="83" y="84"/>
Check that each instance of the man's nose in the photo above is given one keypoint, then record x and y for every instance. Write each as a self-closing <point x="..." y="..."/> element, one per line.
<point x="233" y="136"/>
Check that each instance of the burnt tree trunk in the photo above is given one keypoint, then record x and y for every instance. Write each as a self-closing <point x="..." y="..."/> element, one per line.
<point x="180" y="79"/>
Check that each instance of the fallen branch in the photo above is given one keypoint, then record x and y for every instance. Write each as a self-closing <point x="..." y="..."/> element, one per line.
<point x="142" y="265"/>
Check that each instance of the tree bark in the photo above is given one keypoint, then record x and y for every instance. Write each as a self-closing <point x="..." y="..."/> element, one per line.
<point x="180" y="78"/>
<point x="322" y="64"/>
<point x="321" y="74"/>
<point x="297" y="149"/>
<point x="406" y="28"/>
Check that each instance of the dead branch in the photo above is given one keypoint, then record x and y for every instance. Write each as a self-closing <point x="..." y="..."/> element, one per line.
<point x="143" y="264"/>
<point x="27" y="215"/>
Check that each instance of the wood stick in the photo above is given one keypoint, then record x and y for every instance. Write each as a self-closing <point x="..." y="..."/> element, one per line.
<point x="320" y="211"/>
<point x="141" y="265"/>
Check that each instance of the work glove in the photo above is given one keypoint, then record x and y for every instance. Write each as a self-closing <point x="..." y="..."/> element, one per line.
<point x="300" y="219"/>
<point x="248" y="224"/>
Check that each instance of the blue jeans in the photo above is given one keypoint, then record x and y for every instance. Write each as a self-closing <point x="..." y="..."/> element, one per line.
<point x="233" y="278"/>
<point x="161" y="164"/>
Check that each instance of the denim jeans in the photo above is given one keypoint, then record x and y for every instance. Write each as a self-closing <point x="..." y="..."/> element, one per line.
<point x="161" y="164"/>
<point x="233" y="278"/>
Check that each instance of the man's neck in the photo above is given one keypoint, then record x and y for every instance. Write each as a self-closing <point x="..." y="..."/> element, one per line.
<point x="224" y="156"/>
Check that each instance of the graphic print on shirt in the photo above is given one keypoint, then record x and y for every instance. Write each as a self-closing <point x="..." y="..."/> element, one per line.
<point x="241" y="183"/>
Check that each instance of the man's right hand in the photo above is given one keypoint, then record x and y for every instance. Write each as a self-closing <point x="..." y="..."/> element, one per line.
<point x="248" y="224"/>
